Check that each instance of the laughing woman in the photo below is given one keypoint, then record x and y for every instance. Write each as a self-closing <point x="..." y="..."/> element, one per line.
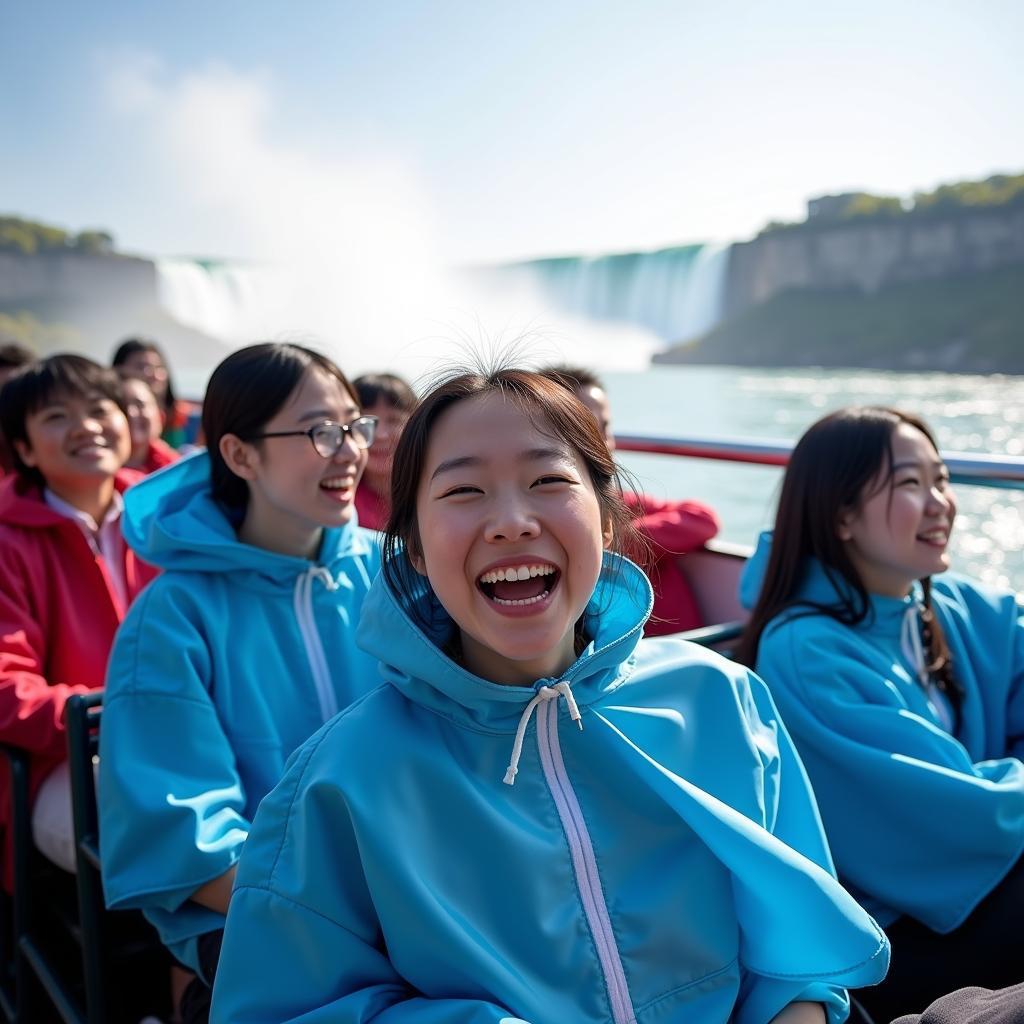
<point x="903" y="687"/>
<point x="538" y="816"/>
<point x="243" y="648"/>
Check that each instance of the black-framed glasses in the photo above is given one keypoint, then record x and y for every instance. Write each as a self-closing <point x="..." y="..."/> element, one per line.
<point x="328" y="437"/>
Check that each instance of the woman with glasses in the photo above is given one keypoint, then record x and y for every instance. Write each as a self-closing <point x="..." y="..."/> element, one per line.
<point x="242" y="648"/>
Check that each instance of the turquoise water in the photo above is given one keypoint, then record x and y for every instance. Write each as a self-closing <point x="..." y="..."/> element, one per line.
<point x="968" y="413"/>
<point x="675" y="293"/>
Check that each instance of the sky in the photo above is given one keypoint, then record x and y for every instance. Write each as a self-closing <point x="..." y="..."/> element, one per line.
<point x="474" y="132"/>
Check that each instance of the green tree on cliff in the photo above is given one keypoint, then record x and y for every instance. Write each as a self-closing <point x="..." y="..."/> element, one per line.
<point x="958" y="197"/>
<point x="995" y="191"/>
<point x="29" y="237"/>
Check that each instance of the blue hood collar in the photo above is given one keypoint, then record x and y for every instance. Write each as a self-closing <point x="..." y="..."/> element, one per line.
<point x="413" y="658"/>
<point x="752" y="577"/>
<point x="171" y="520"/>
<point x="818" y="586"/>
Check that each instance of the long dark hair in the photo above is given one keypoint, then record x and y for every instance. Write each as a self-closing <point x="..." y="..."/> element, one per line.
<point x="546" y="403"/>
<point x="247" y="390"/>
<point x="829" y="472"/>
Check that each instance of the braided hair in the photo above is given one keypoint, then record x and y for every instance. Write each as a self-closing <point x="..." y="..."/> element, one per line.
<point x="940" y="658"/>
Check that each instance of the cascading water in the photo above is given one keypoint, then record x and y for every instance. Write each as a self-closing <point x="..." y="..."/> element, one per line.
<point x="674" y="293"/>
<point x="611" y="312"/>
<point x="231" y="302"/>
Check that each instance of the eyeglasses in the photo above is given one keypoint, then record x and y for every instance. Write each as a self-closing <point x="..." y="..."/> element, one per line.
<point x="328" y="437"/>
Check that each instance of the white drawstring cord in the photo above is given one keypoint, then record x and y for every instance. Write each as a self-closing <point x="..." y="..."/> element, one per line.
<point x="323" y="574"/>
<point x="543" y="693"/>
<point x="910" y="643"/>
<point x="303" y="604"/>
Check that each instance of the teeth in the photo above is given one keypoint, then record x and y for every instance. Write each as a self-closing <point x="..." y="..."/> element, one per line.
<point x="335" y="485"/>
<point x="525" y="600"/>
<point x="516" y="572"/>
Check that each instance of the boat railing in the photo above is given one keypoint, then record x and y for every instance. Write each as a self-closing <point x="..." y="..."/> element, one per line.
<point x="714" y="572"/>
<point x="985" y="470"/>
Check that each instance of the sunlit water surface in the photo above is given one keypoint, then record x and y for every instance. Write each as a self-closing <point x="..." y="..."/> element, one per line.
<point x="967" y="413"/>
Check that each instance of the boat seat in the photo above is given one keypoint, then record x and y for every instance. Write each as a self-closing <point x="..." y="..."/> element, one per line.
<point x="40" y="981"/>
<point x="122" y="960"/>
<point x="63" y="956"/>
<point x="713" y="573"/>
<point x="716" y="637"/>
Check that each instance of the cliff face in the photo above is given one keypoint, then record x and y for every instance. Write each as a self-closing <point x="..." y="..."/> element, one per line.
<point x="968" y="323"/>
<point x="97" y="300"/>
<point x="71" y="279"/>
<point x="870" y="255"/>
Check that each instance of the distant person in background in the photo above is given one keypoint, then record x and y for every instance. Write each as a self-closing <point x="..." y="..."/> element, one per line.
<point x="392" y="401"/>
<point x="142" y="358"/>
<point x="145" y="421"/>
<point x="671" y="528"/>
<point x="66" y="575"/>
<point x="12" y="358"/>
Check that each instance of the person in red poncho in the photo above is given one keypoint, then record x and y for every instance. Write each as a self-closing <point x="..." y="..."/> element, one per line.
<point x="670" y="528"/>
<point x="392" y="401"/>
<point x="66" y="574"/>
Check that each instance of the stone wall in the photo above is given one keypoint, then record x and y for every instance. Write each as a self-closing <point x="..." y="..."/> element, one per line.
<point x="101" y="299"/>
<point x="871" y="254"/>
<point x="76" y="279"/>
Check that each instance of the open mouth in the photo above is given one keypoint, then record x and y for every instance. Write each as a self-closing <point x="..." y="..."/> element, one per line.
<point x="936" y="538"/>
<point x="519" y="586"/>
<point x="337" y="483"/>
<point x="92" y="449"/>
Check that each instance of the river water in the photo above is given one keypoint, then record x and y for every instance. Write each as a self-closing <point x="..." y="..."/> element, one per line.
<point x="619" y="306"/>
<point x="967" y="413"/>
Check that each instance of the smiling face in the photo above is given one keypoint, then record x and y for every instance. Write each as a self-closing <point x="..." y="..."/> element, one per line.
<point x="144" y="419"/>
<point x="293" y="491"/>
<point x="77" y="442"/>
<point x="900" y="530"/>
<point x="510" y="537"/>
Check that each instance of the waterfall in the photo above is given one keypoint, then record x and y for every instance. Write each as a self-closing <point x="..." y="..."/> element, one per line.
<point x="609" y="311"/>
<point x="228" y="301"/>
<point x="674" y="293"/>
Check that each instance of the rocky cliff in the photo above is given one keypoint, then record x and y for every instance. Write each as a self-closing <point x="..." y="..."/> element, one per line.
<point x="74" y="278"/>
<point x="969" y="323"/>
<point x="98" y="299"/>
<point x="867" y="255"/>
